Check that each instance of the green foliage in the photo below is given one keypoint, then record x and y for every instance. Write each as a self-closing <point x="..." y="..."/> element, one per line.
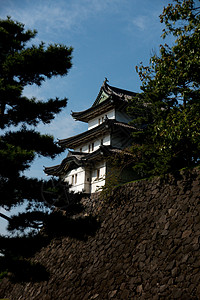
<point x="22" y="65"/>
<point x="117" y="167"/>
<point x="112" y="180"/>
<point x="167" y="136"/>
<point x="3" y="274"/>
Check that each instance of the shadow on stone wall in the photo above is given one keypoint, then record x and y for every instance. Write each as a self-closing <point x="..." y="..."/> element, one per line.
<point x="79" y="228"/>
<point x="147" y="246"/>
<point x="18" y="249"/>
<point x="22" y="270"/>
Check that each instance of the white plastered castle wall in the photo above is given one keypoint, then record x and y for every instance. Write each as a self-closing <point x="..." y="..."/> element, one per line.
<point x="105" y="140"/>
<point x="98" y="177"/>
<point x="98" y="120"/>
<point x="86" y="180"/>
<point x="77" y="180"/>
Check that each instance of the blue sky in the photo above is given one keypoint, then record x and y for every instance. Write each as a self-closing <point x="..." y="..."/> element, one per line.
<point x="109" y="37"/>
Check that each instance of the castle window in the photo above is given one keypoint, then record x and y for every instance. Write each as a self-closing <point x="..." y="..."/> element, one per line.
<point x="81" y="149"/>
<point x="91" y="147"/>
<point x="98" y="173"/>
<point x="72" y="179"/>
<point x="101" y="141"/>
<point x="99" y="121"/>
<point x="75" y="178"/>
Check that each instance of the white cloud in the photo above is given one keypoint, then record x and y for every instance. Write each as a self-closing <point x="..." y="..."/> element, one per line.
<point x="140" y="22"/>
<point x="56" y="15"/>
<point x="63" y="126"/>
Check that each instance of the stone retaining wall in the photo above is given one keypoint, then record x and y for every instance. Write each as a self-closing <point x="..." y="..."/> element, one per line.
<point x="147" y="247"/>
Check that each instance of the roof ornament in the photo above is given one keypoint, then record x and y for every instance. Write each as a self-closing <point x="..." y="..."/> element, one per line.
<point x="105" y="81"/>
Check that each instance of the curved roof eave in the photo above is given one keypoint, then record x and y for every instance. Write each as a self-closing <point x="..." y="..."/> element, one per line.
<point x="82" y="160"/>
<point x="64" y="166"/>
<point x="114" y="96"/>
<point x="93" y="111"/>
<point x="106" y="126"/>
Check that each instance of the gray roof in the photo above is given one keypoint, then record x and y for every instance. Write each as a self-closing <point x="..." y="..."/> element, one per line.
<point x="107" y="98"/>
<point x="106" y="126"/>
<point x="76" y="159"/>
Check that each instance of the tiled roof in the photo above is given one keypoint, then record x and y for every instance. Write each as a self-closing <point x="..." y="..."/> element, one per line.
<point x="109" y="90"/>
<point x="72" y="157"/>
<point x="112" y="97"/>
<point x="81" y="158"/>
<point x="76" y="140"/>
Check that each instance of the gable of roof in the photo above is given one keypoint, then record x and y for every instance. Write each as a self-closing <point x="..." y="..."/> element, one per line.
<point x="108" y="91"/>
<point x="107" y="98"/>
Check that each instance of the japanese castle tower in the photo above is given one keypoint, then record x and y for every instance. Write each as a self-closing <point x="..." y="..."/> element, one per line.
<point x="85" y="166"/>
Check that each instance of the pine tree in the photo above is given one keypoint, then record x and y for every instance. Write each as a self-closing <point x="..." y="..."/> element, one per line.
<point x="22" y="65"/>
